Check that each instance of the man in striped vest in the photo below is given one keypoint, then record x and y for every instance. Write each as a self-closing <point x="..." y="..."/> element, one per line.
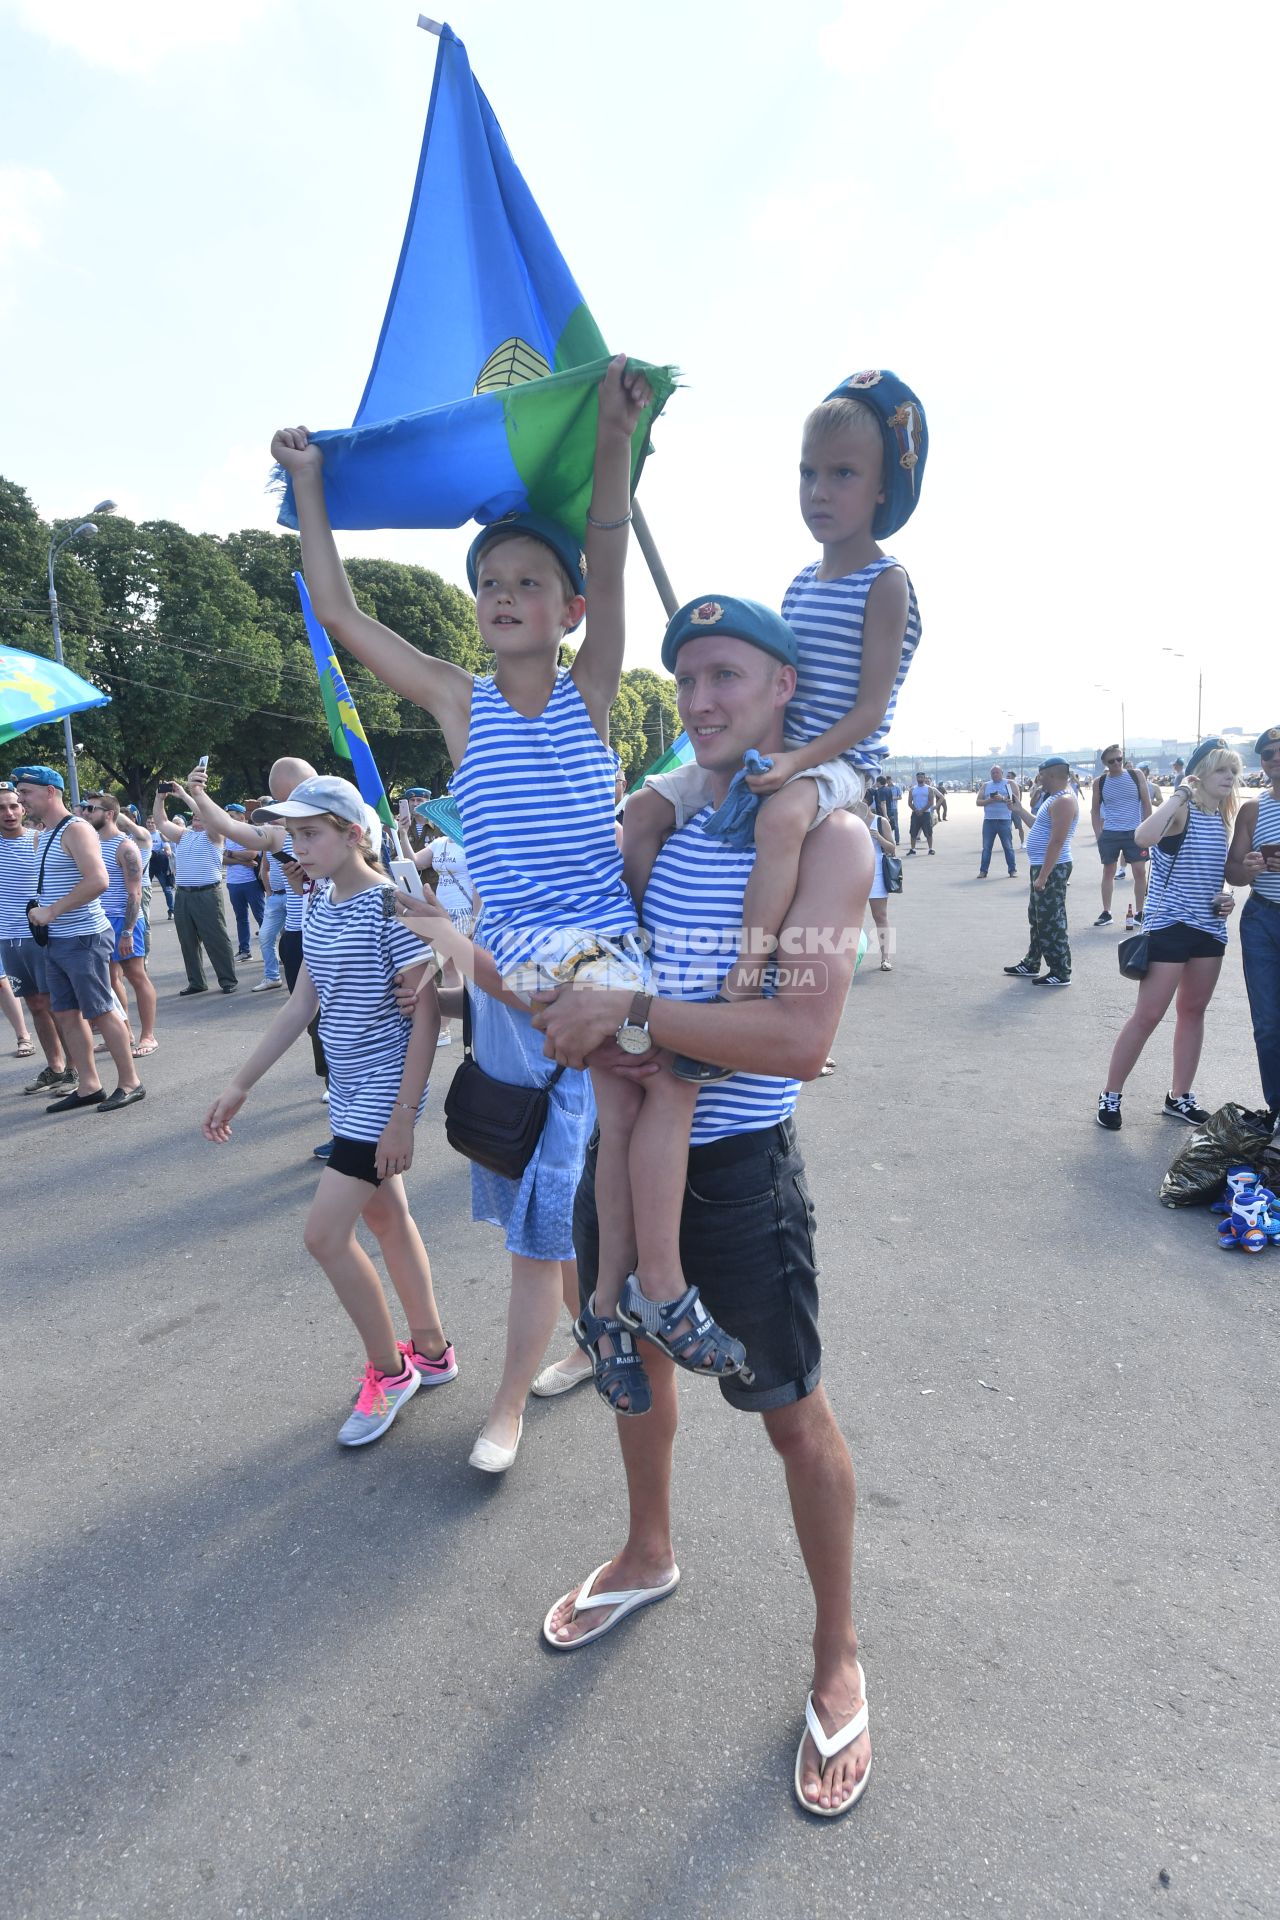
<point x="747" y="1223"/>
<point x="70" y="881"/>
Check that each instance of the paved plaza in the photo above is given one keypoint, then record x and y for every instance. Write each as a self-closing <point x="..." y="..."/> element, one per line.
<point x="248" y="1674"/>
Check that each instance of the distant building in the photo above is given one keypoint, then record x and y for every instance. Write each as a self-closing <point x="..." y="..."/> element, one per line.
<point x="1024" y="743"/>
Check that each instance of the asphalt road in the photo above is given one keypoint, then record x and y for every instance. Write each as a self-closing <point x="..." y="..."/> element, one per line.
<point x="249" y="1674"/>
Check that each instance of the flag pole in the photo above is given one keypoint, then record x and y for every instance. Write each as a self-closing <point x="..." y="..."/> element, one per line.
<point x="645" y="540"/>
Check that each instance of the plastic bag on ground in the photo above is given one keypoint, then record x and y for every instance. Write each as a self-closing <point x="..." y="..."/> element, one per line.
<point x="1234" y="1136"/>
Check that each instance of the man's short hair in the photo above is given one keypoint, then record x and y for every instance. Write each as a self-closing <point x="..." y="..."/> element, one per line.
<point x="108" y="802"/>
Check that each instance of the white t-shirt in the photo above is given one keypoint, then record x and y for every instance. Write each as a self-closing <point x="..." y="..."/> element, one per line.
<point x="453" y="881"/>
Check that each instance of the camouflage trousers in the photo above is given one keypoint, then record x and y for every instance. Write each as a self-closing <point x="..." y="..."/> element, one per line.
<point x="1047" y="914"/>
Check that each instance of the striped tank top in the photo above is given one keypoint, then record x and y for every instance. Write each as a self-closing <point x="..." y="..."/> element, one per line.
<point x="1186" y="872"/>
<point x="693" y="919"/>
<point x="826" y="617"/>
<point x="1042" y="829"/>
<point x="116" y="898"/>
<point x="61" y="874"/>
<point x="17" y="885"/>
<point x="536" y="799"/>
<point x="352" y="949"/>
<point x="1266" y="833"/>
<point x="295" y="904"/>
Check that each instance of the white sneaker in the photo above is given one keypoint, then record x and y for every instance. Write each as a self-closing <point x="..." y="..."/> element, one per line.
<point x="446" y="1038"/>
<point x="267" y="986"/>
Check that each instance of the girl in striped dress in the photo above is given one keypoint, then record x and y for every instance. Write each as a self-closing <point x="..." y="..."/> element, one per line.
<point x="379" y="1061"/>
<point x="1186" y="926"/>
<point x="534" y="782"/>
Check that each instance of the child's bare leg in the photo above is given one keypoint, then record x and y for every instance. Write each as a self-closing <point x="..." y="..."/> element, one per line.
<point x="13" y="1013"/>
<point x="388" y="1218"/>
<point x="659" y="1164"/>
<point x="329" y="1237"/>
<point x="618" y="1105"/>
<point x="649" y="819"/>
<point x="781" y="825"/>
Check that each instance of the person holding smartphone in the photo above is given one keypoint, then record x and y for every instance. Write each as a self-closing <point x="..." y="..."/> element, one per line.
<point x="1254" y="861"/>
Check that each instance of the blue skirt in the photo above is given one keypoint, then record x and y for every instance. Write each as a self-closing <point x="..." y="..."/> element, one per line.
<point x="536" y="1211"/>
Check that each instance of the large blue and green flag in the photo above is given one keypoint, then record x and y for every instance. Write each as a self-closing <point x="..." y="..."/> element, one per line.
<point x="34" y="691"/>
<point x="345" y="730"/>
<point x="482" y="396"/>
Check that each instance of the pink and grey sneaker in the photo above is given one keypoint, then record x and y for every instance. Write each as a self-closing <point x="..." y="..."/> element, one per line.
<point x="379" y="1400"/>
<point x="434" y="1373"/>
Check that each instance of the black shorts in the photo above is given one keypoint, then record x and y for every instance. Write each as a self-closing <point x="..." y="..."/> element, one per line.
<point x="1181" y="942"/>
<point x="746" y="1239"/>
<point x="355" y="1158"/>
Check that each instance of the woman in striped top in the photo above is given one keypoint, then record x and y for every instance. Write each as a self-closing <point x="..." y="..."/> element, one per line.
<point x="379" y="1061"/>
<point x="529" y="743"/>
<point x="1185" y="923"/>
<point x="1254" y="861"/>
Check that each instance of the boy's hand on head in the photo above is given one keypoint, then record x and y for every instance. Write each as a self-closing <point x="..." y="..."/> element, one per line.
<point x="785" y="765"/>
<point x="291" y="448"/>
<point x="623" y="398"/>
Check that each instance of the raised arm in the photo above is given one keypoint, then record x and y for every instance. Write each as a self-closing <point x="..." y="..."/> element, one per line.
<point x="168" y="829"/>
<point x="219" y="822"/>
<point x="1169" y="817"/>
<point x="597" y="666"/>
<point x="443" y="689"/>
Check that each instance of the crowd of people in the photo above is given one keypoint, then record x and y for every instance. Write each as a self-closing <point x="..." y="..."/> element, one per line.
<point x="638" y="1002"/>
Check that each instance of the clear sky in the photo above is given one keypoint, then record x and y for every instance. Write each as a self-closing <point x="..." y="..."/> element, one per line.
<point x="1054" y="222"/>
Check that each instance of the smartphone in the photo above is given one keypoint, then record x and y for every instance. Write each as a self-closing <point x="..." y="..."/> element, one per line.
<point x="203" y="763"/>
<point x="406" y="875"/>
<point x="166" y="786"/>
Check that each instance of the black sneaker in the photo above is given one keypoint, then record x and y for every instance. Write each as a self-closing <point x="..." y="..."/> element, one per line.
<point x="1183" y="1106"/>
<point x="1109" y="1111"/>
<point x="1103" y="920"/>
<point x="1022" y="971"/>
<point x="323" y="1151"/>
<point x="122" y="1097"/>
<point x="1050" y="980"/>
<point x="47" y="1081"/>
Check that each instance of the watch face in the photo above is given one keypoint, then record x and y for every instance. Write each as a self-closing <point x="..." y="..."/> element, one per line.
<point x="634" y="1039"/>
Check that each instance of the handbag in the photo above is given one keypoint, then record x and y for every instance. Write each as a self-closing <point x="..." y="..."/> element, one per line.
<point x="490" y="1121"/>
<point x="41" y="934"/>
<point x="891" y="868"/>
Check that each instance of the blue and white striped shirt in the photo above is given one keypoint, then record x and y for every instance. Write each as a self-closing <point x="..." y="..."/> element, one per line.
<point x="61" y="874"/>
<point x="1266" y="833"/>
<point x="536" y="799"/>
<point x="693" y="917"/>
<point x="826" y="617"/>
<point x="116" y="898"/>
<point x="352" y="950"/>
<point x="1185" y="875"/>
<point x="17" y="885"/>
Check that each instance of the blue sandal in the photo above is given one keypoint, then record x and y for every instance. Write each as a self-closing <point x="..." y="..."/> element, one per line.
<point x="619" y="1375"/>
<point x="703" y="1347"/>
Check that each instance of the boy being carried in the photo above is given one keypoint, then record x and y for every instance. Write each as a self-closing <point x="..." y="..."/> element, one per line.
<point x="855" y="617"/>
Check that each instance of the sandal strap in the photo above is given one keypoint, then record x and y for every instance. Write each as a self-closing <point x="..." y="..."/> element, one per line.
<point x="702" y="1341"/>
<point x="830" y="1744"/>
<point x="588" y="1599"/>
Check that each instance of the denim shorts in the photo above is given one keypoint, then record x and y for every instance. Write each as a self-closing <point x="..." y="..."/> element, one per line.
<point x="1112" y="842"/>
<point x="746" y="1240"/>
<point x="23" y="961"/>
<point x="78" y="969"/>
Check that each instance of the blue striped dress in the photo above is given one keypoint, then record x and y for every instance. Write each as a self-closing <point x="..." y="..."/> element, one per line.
<point x="693" y="918"/>
<point x="352" y="951"/>
<point x="826" y="617"/>
<point x="1186" y="872"/>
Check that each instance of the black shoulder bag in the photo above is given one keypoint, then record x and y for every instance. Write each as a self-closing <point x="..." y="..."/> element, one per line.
<point x="41" y="934"/>
<point x="490" y="1121"/>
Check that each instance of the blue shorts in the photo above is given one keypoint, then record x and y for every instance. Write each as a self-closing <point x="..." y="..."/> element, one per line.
<point x="23" y="961"/>
<point x="746" y="1240"/>
<point x="78" y="968"/>
<point x="139" y="936"/>
<point x="1114" y="841"/>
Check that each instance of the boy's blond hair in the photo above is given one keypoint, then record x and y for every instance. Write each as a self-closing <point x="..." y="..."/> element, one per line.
<point x="841" y="415"/>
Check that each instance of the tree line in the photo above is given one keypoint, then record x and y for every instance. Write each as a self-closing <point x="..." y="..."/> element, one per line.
<point x="199" y="641"/>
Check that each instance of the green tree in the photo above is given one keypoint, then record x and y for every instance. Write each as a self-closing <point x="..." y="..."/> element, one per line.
<point x="659" y="722"/>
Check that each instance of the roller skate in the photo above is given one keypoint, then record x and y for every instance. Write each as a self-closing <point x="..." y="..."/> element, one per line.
<point x="1239" y="1180"/>
<point x="1270" y="1221"/>
<point x="1243" y="1226"/>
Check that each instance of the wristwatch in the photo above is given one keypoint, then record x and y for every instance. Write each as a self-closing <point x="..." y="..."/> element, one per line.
<point x="633" y="1036"/>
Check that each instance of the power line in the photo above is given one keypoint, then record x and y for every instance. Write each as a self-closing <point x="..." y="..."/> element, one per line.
<point x="263" y="713"/>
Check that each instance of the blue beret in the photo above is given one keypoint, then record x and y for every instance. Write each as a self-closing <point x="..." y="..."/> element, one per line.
<point x="1271" y="738"/>
<point x="1206" y="747"/>
<point x="906" y="442"/>
<point x="742" y="619"/>
<point x="39" y="777"/>
<point x="1056" y="761"/>
<point x="566" y="546"/>
<point x="235" y="807"/>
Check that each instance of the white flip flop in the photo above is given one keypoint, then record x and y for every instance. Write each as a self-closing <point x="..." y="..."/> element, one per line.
<point x="619" y="1604"/>
<point x="829" y="1745"/>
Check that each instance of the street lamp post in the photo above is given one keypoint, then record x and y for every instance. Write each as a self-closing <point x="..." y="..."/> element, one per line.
<point x="55" y="548"/>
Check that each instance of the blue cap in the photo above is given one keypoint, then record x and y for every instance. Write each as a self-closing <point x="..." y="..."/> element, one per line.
<point x="745" y="620"/>
<point x="1056" y="761"/>
<point x="1271" y="738"/>
<point x="39" y="777"/>
<point x="906" y="442"/>
<point x="235" y="807"/>
<point x="1206" y="747"/>
<point x="566" y="546"/>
